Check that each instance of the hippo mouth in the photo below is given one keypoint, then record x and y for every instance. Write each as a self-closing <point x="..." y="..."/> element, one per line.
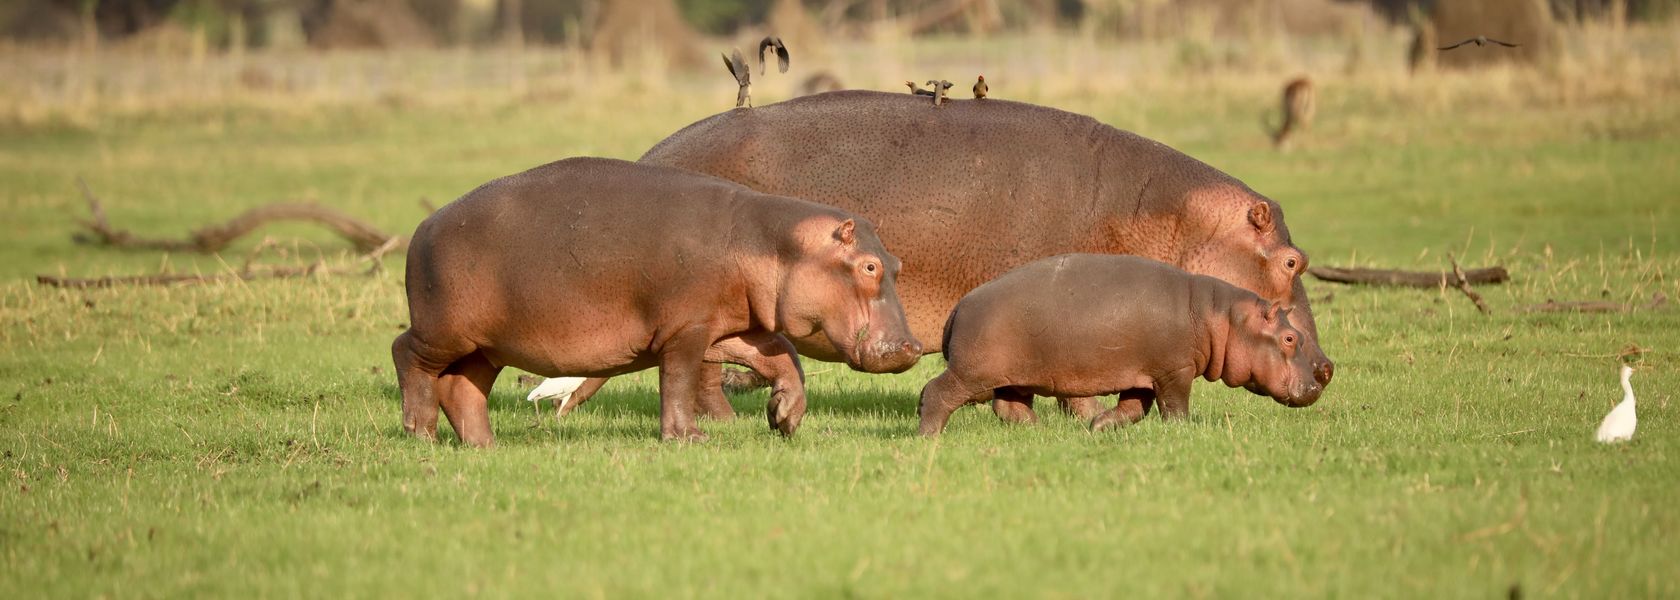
<point x="880" y="355"/>
<point x="1299" y="396"/>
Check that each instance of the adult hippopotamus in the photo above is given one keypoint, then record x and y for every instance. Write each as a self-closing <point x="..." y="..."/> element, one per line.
<point x="968" y="191"/>
<point x="599" y="267"/>
<point x="1081" y="325"/>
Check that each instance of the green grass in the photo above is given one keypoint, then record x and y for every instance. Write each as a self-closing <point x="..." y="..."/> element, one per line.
<point x="243" y="438"/>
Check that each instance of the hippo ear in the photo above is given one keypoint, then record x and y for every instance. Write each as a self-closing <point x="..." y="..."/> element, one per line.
<point x="1269" y="311"/>
<point x="844" y="232"/>
<point x="1260" y="215"/>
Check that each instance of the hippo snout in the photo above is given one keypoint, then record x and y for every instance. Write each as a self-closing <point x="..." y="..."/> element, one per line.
<point x="1323" y="372"/>
<point x="893" y="356"/>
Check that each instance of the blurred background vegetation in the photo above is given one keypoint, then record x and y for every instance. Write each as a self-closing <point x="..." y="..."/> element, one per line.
<point x="339" y="24"/>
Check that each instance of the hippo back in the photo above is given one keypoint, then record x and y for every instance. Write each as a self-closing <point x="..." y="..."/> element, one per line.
<point x="964" y="192"/>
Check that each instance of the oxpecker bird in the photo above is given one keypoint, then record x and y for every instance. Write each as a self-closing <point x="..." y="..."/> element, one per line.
<point x="916" y="89"/>
<point x="940" y="88"/>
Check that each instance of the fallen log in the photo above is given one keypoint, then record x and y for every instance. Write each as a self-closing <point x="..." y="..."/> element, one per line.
<point x="1658" y="300"/>
<point x="1417" y="279"/>
<point x="216" y="237"/>
<point x="279" y="272"/>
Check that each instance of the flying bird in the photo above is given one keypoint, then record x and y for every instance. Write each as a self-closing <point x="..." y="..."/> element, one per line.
<point x="1479" y="40"/>
<point x="743" y="76"/>
<point x="771" y="41"/>
<point x="916" y="89"/>
<point x="939" y="89"/>
<point x="980" y="88"/>
<point x="1618" y="425"/>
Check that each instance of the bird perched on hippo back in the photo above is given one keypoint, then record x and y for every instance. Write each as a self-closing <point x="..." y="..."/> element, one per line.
<point x="980" y="88"/>
<point x="738" y="68"/>
<point x="995" y="185"/>
<point x="916" y="90"/>
<point x="940" y="88"/>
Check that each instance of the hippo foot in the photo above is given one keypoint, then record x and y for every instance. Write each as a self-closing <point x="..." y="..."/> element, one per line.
<point x="689" y="435"/>
<point x="1014" y="411"/>
<point x="1083" y="408"/>
<point x="785" y="411"/>
<point x="415" y="429"/>
<point x="1111" y="419"/>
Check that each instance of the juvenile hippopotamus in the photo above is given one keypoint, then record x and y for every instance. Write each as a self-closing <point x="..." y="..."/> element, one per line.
<point x="595" y="267"/>
<point x="1083" y="325"/>
<point x="964" y="193"/>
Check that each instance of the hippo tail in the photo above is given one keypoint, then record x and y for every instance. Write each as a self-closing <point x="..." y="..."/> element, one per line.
<point x="945" y="336"/>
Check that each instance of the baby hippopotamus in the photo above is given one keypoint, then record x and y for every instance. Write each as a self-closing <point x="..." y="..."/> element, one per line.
<point x="1080" y="325"/>
<point x="595" y="267"/>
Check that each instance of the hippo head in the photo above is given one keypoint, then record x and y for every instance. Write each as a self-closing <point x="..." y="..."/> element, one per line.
<point x="1257" y="255"/>
<point x="1281" y="360"/>
<point x="844" y="285"/>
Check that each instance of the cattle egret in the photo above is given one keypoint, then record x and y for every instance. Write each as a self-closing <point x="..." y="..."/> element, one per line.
<point x="1618" y="425"/>
<point x="558" y="388"/>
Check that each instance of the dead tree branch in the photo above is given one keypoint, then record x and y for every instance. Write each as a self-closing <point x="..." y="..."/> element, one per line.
<point x="1463" y="285"/>
<point x="214" y="238"/>
<point x="1417" y="279"/>
<point x="1596" y="306"/>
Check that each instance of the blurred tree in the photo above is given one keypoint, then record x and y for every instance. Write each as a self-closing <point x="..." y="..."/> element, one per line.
<point x="724" y="16"/>
<point x="628" y="28"/>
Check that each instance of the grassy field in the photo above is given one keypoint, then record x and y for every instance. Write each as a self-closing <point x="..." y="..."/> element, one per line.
<point x="243" y="438"/>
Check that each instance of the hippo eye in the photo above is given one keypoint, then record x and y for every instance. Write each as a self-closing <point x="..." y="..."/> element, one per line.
<point x="1290" y="263"/>
<point x="1289" y="338"/>
<point x="870" y="268"/>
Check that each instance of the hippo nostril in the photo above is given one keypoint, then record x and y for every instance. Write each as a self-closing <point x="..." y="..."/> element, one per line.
<point x="912" y="348"/>
<point x="1323" y="373"/>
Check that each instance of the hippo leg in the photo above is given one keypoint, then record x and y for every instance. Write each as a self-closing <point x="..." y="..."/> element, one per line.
<point x="464" y="390"/>
<point x="1013" y="406"/>
<point x="774" y="357"/>
<point x="1173" y="396"/>
<point x="713" y="403"/>
<point x="1085" y="408"/>
<point x="943" y="396"/>
<point x="581" y="395"/>
<point x="418" y="366"/>
<point x="680" y="363"/>
<point x="1133" y="405"/>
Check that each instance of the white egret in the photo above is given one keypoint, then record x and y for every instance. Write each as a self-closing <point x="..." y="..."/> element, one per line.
<point x="1618" y="425"/>
<point x="558" y="388"/>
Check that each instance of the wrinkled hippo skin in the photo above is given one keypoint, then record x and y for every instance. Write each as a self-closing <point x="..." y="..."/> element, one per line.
<point x="1083" y="325"/>
<point x="596" y="267"/>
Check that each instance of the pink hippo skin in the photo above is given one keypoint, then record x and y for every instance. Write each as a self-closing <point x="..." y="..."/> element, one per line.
<point x="976" y="188"/>
<point x="1083" y="325"/>
<point x="595" y="267"/>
